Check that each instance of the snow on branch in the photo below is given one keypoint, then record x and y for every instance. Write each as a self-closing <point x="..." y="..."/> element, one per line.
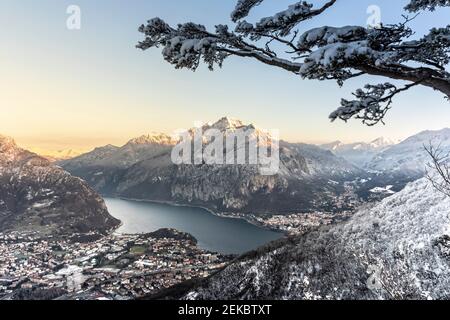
<point x="371" y="104"/>
<point x="323" y="53"/>
<point x="417" y="5"/>
<point x="332" y="53"/>
<point x="243" y="8"/>
<point x="433" y="49"/>
<point x="283" y="22"/>
<point x="189" y="43"/>
<point x="327" y="35"/>
<point x="185" y="46"/>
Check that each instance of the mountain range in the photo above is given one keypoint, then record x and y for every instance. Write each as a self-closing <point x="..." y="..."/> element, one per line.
<point x="58" y="155"/>
<point x="398" y="248"/>
<point x="310" y="178"/>
<point x="39" y="197"/>
<point x="359" y="153"/>
<point x="409" y="156"/>
<point x="382" y="155"/>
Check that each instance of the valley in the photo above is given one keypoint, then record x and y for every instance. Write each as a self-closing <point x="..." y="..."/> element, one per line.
<point x="224" y="150"/>
<point x="61" y="240"/>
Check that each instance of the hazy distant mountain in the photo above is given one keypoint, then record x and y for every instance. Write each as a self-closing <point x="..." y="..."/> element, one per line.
<point x="37" y="196"/>
<point x="58" y="155"/>
<point x="98" y="155"/>
<point x="405" y="238"/>
<point x="359" y="153"/>
<point x="409" y="156"/>
<point x="309" y="176"/>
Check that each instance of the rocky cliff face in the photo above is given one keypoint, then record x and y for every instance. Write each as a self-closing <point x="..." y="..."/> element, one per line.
<point x="398" y="249"/>
<point x="37" y="196"/>
<point x="143" y="169"/>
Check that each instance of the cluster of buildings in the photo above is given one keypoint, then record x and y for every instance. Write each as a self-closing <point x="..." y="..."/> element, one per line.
<point x="300" y="223"/>
<point x="113" y="267"/>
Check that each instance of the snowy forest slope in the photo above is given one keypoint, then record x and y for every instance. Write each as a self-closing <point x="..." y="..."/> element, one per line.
<point x="397" y="249"/>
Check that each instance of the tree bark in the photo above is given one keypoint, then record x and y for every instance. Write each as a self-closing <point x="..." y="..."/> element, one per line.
<point x="425" y="76"/>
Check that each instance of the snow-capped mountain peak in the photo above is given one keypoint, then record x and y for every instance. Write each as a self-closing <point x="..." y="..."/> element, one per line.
<point x="229" y="126"/>
<point x="9" y="150"/>
<point x="153" y="138"/>
<point x="7" y="143"/>
<point x="381" y="142"/>
<point x="333" y="145"/>
<point x="227" y="123"/>
<point x="359" y="153"/>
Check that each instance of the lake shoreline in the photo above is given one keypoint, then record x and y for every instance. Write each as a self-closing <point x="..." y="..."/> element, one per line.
<point x="217" y="214"/>
<point x="215" y="232"/>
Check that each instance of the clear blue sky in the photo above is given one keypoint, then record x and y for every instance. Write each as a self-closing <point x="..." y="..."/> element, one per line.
<point x="91" y="87"/>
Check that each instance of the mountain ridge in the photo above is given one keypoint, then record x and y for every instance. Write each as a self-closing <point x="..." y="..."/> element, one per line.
<point x="153" y="138"/>
<point x="37" y="196"/>
<point x="305" y="171"/>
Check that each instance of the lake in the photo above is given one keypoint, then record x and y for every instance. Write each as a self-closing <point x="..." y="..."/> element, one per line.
<point x="218" y="234"/>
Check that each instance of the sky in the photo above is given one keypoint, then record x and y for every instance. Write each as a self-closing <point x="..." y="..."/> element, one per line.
<point x="62" y="88"/>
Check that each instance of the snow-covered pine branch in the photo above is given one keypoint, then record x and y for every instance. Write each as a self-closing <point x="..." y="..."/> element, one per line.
<point x="417" y="5"/>
<point x="323" y="53"/>
<point x="371" y="104"/>
<point x="243" y="8"/>
<point x="283" y="22"/>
